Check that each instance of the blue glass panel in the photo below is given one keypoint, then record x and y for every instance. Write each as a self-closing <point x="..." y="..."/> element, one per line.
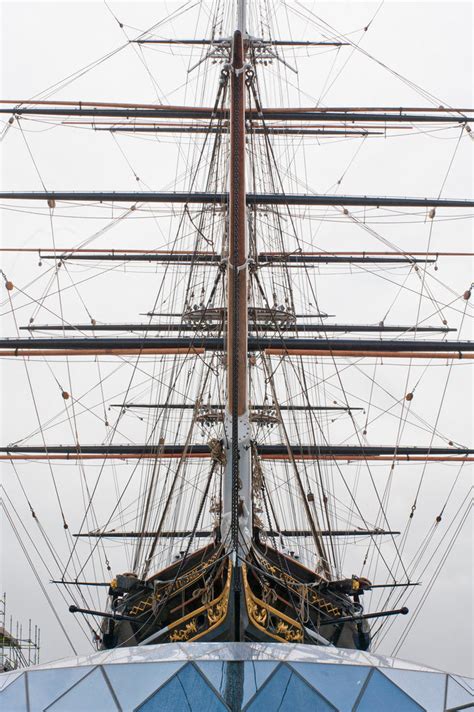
<point x="91" y="693"/>
<point x="381" y="694"/>
<point x="286" y="691"/>
<point x="13" y="697"/>
<point x="254" y="675"/>
<point x="187" y="691"/>
<point x="7" y="677"/>
<point x="458" y="694"/>
<point x="134" y="682"/>
<point x="215" y="673"/>
<point x="340" y="684"/>
<point x="45" y="686"/>
<point x="426" y="688"/>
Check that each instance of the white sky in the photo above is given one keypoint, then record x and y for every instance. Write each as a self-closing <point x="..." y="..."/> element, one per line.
<point x="431" y="44"/>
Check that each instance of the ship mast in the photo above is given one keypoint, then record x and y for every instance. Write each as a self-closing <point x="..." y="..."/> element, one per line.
<point x="236" y="526"/>
<point x="237" y="494"/>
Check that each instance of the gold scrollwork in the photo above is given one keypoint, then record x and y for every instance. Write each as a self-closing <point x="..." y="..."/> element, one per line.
<point x="178" y="636"/>
<point x="289" y="633"/>
<point x="296" y="586"/>
<point x="215" y="611"/>
<point x="182" y="582"/>
<point x="262" y="615"/>
<point x="259" y="614"/>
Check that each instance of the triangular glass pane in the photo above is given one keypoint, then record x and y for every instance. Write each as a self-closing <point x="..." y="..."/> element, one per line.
<point x="286" y="691"/>
<point x="381" y="694"/>
<point x="256" y="672"/>
<point x="7" y="677"/>
<point x="45" y="686"/>
<point x="467" y="682"/>
<point x="215" y="672"/>
<point x="187" y="691"/>
<point x="91" y="693"/>
<point x="426" y="688"/>
<point x="457" y="694"/>
<point x="13" y="697"/>
<point x="134" y="682"/>
<point x="340" y="684"/>
<point x="254" y="675"/>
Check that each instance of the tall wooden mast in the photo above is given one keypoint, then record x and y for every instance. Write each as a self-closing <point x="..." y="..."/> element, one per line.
<point x="237" y="499"/>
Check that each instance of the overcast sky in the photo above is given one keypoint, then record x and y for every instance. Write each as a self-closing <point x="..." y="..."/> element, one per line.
<point x="429" y="43"/>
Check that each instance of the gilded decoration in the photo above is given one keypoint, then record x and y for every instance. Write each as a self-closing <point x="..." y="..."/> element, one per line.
<point x="257" y="613"/>
<point x="289" y="633"/>
<point x="216" y="612"/>
<point x="276" y="624"/>
<point x="296" y="586"/>
<point x="179" y="636"/>
<point x="182" y="582"/>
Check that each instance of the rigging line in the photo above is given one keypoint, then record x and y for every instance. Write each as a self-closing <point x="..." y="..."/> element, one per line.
<point x="61" y="84"/>
<point x="417" y="558"/>
<point x="151" y="487"/>
<point x="367" y="466"/>
<point x="398" y="597"/>
<point x="213" y="166"/>
<point x="433" y="580"/>
<point x="78" y="293"/>
<point x="181" y="10"/>
<point x="397" y="295"/>
<point x="53" y="420"/>
<point x="369" y="402"/>
<point x="135" y="468"/>
<point x="314" y="525"/>
<point x="54" y="554"/>
<point x="440" y="515"/>
<point x="355" y="365"/>
<point x="92" y="65"/>
<point x="355" y="46"/>
<point x="164" y="601"/>
<point x="414" y="505"/>
<point x="85" y="407"/>
<point x="114" y="429"/>
<point x="35" y="406"/>
<point x="375" y="234"/>
<point x="120" y="24"/>
<point x="387" y="411"/>
<point x="35" y="547"/>
<point x="434" y="429"/>
<point x="283" y="563"/>
<point x="72" y="421"/>
<point x="427" y="428"/>
<point x="423" y="92"/>
<point x="38" y="578"/>
<point x="31" y="154"/>
<point x="330" y="71"/>
<point x="61" y="311"/>
<point x="40" y="304"/>
<point x="355" y="503"/>
<point x="337" y="372"/>
<point x="302" y="381"/>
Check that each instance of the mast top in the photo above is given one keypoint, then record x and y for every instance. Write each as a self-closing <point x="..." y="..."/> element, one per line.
<point x="241" y="19"/>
